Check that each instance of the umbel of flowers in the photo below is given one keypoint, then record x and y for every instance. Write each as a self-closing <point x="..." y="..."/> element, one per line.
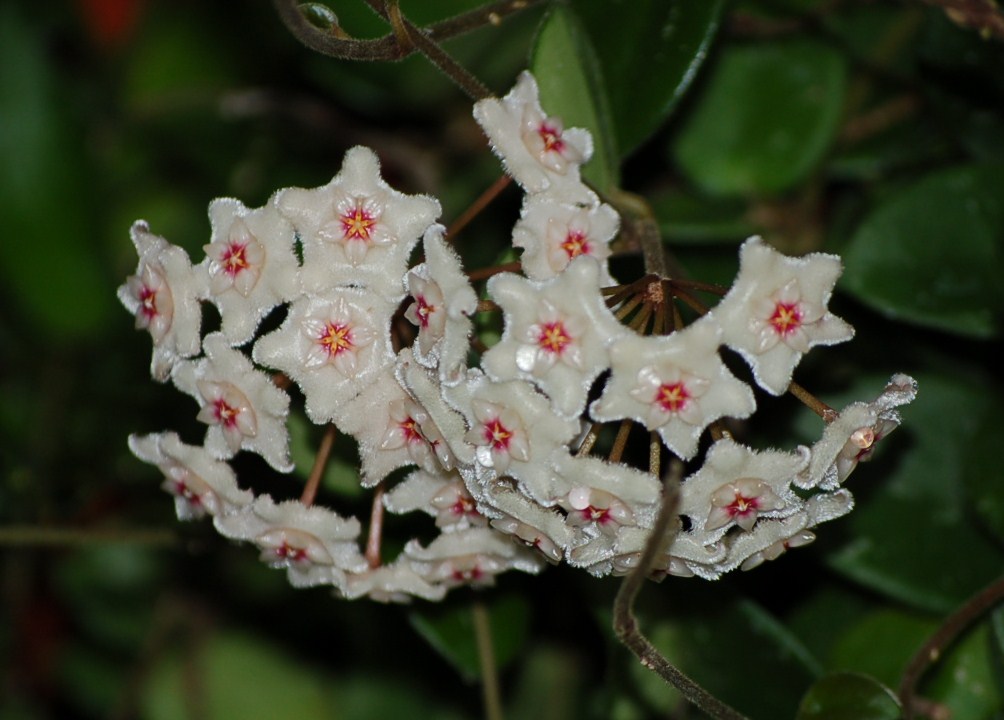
<point x="501" y="452"/>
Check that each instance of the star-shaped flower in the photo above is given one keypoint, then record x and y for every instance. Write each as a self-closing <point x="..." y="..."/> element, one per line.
<point x="552" y="234"/>
<point x="250" y="265"/>
<point x="513" y="432"/>
<point x="535" y="149"/>
<point x="397" y="582"/>
<point x="332" y="346"/>
<point x="736" y="486"/>
<point x="314" y="544"/>
<point x="776" y="311"/>
<point x="556" y="333"/>
<point x="852" y="436"/>
<point x="357" y="231"/>
<point x="201" y="484"/>
<point x="470" y="557"/>
<point x="164" y="296"/>
<point x="440" y="494"/>
<point x="242" y="406"/>
<point x="441" y="308"/>
<point x="675" y="384"/>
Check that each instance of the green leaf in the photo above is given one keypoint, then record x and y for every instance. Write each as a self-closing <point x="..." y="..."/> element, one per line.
<point x="650" y="52"/>
<point x="548" y="672"/>
<point x="983" y="481"/>
<point x="765" y="120"/>
<point x="711" y="639"/>
<point x="49" y="266"/>
<point x="449" y="629"/>
<point x="881" y="644"/>
<point x="239" y="676"/>
<point x="932" y="253"/>
<point x="911" y="518"/>
<point x="694" y="219"/>
<point x="571" y="88"/>
<point x="847" y="696"/>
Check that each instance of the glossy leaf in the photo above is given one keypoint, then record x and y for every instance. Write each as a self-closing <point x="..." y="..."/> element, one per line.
<point x="905" y="533"/>
<point x="571" y="88"/>
<point x="49" y="266"/>
<point x="712" y="641"/>
<point x="765" y="119"/>
<point x="694" y="219"/>
<point x="933" y="253"/>
<point x="650" y="52"/>
<point x="848" y="696"/>
<point x="449" y="630"/>
<point x="239" y="676"/>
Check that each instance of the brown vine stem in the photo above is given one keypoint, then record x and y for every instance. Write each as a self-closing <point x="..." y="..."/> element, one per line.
<point x="984" y="16"/>
<point x="944" y="636"/>
<point x="334" y="43"/>
<point x="320" y="463"/>
<point x="482" y="273"/>
<point x="626" y="624"/>
<point x="491" y="695"/>
<point x="620" y="442"/>
<point x="813" y="403"/>
<point x="375" y="536"/>
<point x="477" y="206"/>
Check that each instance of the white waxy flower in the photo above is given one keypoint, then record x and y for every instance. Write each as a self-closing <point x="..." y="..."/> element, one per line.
<point x="332" y="346"/>
<point x="552" y="234"/>
<point x="772" y="538"/>
<point x="397" y="582"/>
<point x="470" y="557"/>
<point x="357" y="231"/>
<point x="441" y="494"/>
<point x="737" y="486"/>
<point x="242" y="406"/>
<point x="443" y="302"/>
<point x="164" y="296"/>
<point x="775" y="311"/>
<point x="500" y="417"/>
<point x="675" y="384"/>
<point x="535" y="149"/>
<point x="201" y="484"/>
<point x="314" y="544"/>
<point x="685" y="556"/>
<point x="387" y="424"/>
<point x="250" y="265"/>
<point x="605" y="496"/>
<point x="852" y="436"/>
<point x="537" y="527"/>
<point x="556" y="333"/>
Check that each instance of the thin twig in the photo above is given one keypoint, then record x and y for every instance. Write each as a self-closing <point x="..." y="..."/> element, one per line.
<point x="320" y="463"/>
<point x="486" y="659"/>
<point x="375" y="536"/>
<point x="626" y="624"/>
<point x="482" y="273"/>
<point x="944" y="636"/>
<point x="813" y="403"/>
<point x="477" y="206"/>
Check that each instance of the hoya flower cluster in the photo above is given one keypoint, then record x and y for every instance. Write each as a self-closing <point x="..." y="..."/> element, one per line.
<point x="501" y="450"/>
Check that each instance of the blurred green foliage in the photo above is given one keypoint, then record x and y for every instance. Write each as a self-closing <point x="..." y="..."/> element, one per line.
<point x="873" y="130"/>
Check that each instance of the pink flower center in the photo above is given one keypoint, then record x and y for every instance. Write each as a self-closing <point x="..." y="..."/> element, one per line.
<point x="469" y="575"/>
<point x="551" y="136"/>
<point x="463" y="506"/>
<point x="182" y="490"/>
<point x="357" y="224"/>
<point x="497" y="435"/>
<point x="595" y="514"/>
<point x="423" y="310"/>
<point x="234" y="258"/>
<point x="411" y="431"/>
<point x="225" y="413"/>
<point x="786" y="319"/>
<point x="742" y="506"/>
<point x="289" y="552"/>
<point x="553" y="337"/>
<point x="672" y="397"/>
<point x="575" y="244"/>
<point x="336" y="338"/>
<point x="148" y="302"/>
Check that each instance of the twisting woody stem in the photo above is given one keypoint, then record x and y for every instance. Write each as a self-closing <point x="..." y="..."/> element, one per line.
<point x="626" y="624"/>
